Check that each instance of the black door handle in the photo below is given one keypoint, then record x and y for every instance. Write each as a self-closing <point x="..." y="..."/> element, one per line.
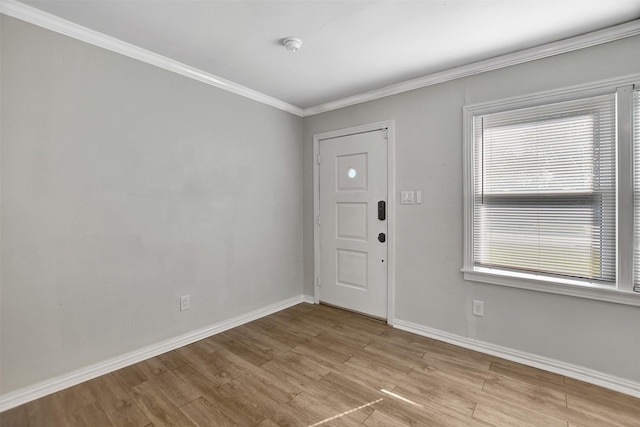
<point x="382" y="237"/>
<point x="382" y="210"/>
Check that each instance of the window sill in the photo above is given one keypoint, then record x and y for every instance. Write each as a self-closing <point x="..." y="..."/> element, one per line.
<point x="594" y="292"/>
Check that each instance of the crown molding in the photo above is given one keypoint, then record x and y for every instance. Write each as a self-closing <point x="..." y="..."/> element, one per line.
<point x="42" y="19"/>
<point x="37" y="17"/>
<point x="595" y="38"/>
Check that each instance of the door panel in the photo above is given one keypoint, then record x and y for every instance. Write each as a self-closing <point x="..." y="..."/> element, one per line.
<point x="352" y="220"/>
<point x="353" y="179"/>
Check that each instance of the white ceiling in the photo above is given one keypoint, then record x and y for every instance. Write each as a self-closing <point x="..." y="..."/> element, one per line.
<point x="349" y="47"/>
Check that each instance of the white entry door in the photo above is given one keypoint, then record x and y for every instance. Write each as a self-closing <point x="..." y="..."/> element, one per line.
<point x="353" y="224"/>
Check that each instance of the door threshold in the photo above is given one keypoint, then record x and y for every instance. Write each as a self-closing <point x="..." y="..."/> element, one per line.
<point x="359" y="313"/>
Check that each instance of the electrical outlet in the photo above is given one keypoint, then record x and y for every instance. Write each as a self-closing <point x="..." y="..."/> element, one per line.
<point x="185" y="302"/>
<point x="478" y="308"/>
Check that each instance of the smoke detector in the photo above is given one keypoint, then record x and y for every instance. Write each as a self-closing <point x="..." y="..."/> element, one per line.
<point x="292" y="44"/>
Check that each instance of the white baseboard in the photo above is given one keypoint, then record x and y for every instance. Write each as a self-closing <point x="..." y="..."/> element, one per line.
<point x="567" y="369"/>
<point x="35" y="391"/>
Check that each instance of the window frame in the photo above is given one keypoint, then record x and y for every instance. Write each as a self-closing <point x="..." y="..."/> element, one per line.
<point x="622" y="291"/>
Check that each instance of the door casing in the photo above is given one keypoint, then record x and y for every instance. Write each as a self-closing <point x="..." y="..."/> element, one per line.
<point x="391" y="203"/>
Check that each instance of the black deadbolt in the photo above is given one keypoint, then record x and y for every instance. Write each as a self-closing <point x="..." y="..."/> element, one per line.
<point x="382" y="210"/>
<point x="382" y="237"/>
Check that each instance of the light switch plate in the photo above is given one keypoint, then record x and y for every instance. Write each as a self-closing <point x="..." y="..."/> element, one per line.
<point x="406" y="197"/>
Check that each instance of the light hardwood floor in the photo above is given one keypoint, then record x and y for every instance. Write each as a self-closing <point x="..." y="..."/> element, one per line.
<point x="315" y="365"/>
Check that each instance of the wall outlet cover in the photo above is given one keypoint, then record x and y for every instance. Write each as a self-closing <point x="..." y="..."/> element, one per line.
<point x="478" y="308"/>
<point x="185" y="302"/>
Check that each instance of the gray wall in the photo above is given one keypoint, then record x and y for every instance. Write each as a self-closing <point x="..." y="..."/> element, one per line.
<point x="430" y="290"/>
<point x="123" y="187"/>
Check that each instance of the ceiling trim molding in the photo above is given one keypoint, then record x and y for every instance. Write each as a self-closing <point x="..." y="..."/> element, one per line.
<point x="51" y="22"/>
<point x="42" y="19"/>
<point x="595" y="38"/>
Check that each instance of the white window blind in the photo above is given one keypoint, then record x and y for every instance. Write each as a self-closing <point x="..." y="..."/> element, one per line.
<point x="636" y="190"/>
<point x="544" y="196"/>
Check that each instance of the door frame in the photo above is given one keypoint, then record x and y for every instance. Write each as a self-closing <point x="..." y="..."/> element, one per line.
<point x="391" y="205"/>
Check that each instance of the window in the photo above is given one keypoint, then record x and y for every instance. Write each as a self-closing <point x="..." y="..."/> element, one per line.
<point x="546" y="204"/>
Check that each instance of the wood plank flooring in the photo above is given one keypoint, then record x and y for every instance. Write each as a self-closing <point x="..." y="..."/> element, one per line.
<point x="315" y="365"/>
